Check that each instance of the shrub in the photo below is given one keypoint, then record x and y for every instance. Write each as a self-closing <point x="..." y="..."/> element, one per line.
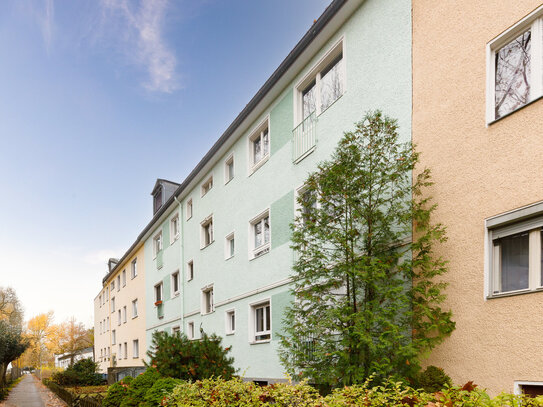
<point x="81" y="373"/>
<point x="158" y="392"/>
<point x="116" y="392"/>
<point x="179" y="357"/>
<point x="433" y="379"/>
<point x="138" y="388"/>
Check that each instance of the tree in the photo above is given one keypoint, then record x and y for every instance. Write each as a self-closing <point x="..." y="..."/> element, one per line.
<point x="367" y="301"/>
<point x="12" y="345"/>
<point x="40" y="332"/>
<point x="10" y="307"/>
<point x="70" y="337"/>
<point x="179" y="357"/>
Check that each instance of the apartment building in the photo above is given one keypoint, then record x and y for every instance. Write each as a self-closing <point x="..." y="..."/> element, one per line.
<point x="217" y="252"/>
<point x="119" y="315"/>
<point x="477" y="87"/>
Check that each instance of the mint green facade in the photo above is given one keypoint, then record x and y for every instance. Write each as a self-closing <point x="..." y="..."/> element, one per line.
<point x="376" y="41"/>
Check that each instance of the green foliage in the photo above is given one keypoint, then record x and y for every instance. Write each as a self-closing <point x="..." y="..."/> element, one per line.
<point x="223" y="393"/>
<point x="179" y="357"/>
<point x="433" y="379"/>
<point x="367" y="301"/>
<point x="81" y="373"/>
<point x="12" y="345"/>
<point x="160" y="389"/>
<point x="116" y="392"/>
<point x="137" y="389"/>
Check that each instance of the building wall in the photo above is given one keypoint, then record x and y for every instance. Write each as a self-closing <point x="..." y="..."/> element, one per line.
<point x="377" y="53"/>
<point x="479" y="171"/>
<point x="134" y="327"/>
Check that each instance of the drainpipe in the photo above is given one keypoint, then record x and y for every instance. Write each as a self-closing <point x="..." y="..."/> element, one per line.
<point x="182" y="259"/>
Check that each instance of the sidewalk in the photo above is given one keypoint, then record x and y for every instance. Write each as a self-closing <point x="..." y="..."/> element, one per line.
<point x="31" y="393"/>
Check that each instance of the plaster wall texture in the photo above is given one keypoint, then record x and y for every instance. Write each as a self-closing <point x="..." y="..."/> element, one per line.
<point x="377" y="53"/>
<point x="479" y="171"/>
<point x="134" y="327"/>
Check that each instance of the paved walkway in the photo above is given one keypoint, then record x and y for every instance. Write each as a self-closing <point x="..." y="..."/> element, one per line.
<point x="31" y="393"/>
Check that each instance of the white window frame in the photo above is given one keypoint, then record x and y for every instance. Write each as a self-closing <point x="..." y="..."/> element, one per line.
<point x="134" y="268"/>
<point x="120" y="351"/>
<point x="204" y="300"/>
<point x="525" y="219"/>
<point x="227" y="176"/>
<point x="229" y="330"/>
<point x="533" y="22"/>
<point x="190" y="329"/>
<point x="112" y="285"/>
<point x="123" y="279"/>
<point x="255" y="134"/>
<point x="135" y="348"/>
<point x="207" y="185"/>
<point x="119" y="317"/>
<point x="204" y="235"/>
<point x="189" y="209"/>
<point x="107" y="324"/>
<point x="112" y="305"/>
<point x="176" y="330"/>
<point x="134" y="308"/>
<point x="519" y="383"/>
<point x="228" y="254"/>
<point x="158" y="244"/>
<point x="126" y="350"/>
<point x="118" y="282"/>
<point x="255" y="252"/>
<point x="125" y="312"/>
<point x="299" y="192"/>
<point x="314" y="74"/>
<point x="190" y="270"/>
<point x="253" y="333"/>
<point x="113" y="337"/>
<point x="161" y="286"/>
<point x="174" y="236"/>
<point x="175" y="275"/>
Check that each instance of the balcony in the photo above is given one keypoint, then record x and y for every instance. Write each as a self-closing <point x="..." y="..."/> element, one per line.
<point x="304" y="138"/>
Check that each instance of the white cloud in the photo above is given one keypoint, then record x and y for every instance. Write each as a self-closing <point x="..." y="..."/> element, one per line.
<point x="44" y="14"/>
<point x="141" y="26"/>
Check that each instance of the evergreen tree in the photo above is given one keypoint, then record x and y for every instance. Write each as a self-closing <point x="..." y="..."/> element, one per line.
<point x="367" y="300"/>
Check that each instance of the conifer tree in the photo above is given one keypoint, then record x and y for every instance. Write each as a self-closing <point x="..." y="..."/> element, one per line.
<point x="367" y="288"/>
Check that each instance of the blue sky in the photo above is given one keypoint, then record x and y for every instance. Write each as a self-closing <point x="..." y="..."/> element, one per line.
<point x="98" y="98"/>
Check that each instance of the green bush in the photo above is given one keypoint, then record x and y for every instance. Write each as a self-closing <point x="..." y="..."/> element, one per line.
<point x="81" y="373"/>
<point x="179" y="357"/>
<point x="158" y="392"/>
<point x="433" y="379"/>
<point x="116" y="392"/>
<point x="138" y="388"/>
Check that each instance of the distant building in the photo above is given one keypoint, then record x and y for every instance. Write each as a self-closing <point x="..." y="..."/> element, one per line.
<point x="63" y="360"/>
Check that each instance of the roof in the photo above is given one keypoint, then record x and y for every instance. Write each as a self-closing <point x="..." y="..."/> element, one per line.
<point x="291" y="58"/>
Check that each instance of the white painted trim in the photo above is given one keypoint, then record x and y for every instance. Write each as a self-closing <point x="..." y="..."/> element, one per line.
<point x="173" y="238"/>
<point x="251" y="136"/>
<point x="518" y="383"/>
<point x="188" y="201"/>
<point x="191" y="263"/>
<point x="162" y="323"/>
<point x="227" y="239"/>
<point x="173" y="293"/>
<point x="251" y="234"/>
<point x="207" y="181"/>
<point x="251" y="331"/>
<point x="227" y="325"/>
<point x="229" y="159"/>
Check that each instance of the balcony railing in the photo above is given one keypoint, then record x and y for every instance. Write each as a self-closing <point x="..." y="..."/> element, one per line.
<point x="304" y="137"/>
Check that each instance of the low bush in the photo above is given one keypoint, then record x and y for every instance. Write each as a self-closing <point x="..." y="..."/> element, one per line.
<point x="116" y="392"/>
<point x="138" y="387"/>
<point x="158" y="392"/>
<point x="81" y="373"/>
<point x="433" y="379"/>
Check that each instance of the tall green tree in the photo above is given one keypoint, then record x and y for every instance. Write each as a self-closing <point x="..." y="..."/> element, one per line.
<point x="366" y="280"/>
<point x="12" y="345"/>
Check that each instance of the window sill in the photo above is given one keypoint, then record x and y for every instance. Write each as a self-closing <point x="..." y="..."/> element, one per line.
<point x="259" y="164"/>
<point x="304" y="155"/>
<point x="514" y="111"/>
<point x="261" y="251"/>
<point x="207" y="313"/>
<point x="134" y="317"/>
<point x="176" y="294"/>
<point x="228" y="181"/>
<point x="230" y="333"/>
<point x="228" y="258"/>
<point x="514" y="293"/>
<point x="206" y="246"/>
<point x="260" y="342"/>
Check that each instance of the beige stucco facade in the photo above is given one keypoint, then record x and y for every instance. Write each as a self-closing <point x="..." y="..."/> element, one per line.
<point x="119" y="315"/>
<point x="480" y="170"/>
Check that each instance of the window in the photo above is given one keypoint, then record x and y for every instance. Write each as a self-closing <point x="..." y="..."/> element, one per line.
<point x="229" y="169"/>
<point x="260" y="234"/>
<point x="174" y="229"/>
<point x="134" y="308"/>
<point x="206" y="234"/>
<point x="125" y="350"/>
<point x="113" y="337"/>
<point x="175" y="284"/>
<point x="230" y="322"/>
<point x="190" y="330"/>
<point x="190" y="270"/>
<point x="189" y="209"/>
<point x="134" y="268"/>
<point x="120" y="351"/>
<point x="113" y="286"/>
<point x="322" y="86"/>
<point x="119" y="317"/>
<point x="100" y="300"/>
<point x="124" y="278"/>
<point x="261" y="323"/>
<point x="135" y="348"/>
<point x="514" y="70"/>
<point x="124" y="314"/>
<point x="306" y="203"/>
<point x="107" y="294"/>
<point x="101" y="329"/>
<point x="176" y="330"/>
<point x="229" y="246"/>
<point x="207" y="185"/>
<point x="157" y="244"/>
<point x="207" y="300"/>
<point x="107" y="324"/>
<point x="515" y="251"/>
<point x="112" y="304"/>
<point x="118" y="283"/>
<point x="259" y="146"/>
<point x="158" y="294"/>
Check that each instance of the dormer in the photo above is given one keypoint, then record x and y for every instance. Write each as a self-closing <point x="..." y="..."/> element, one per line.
<point x="111" y="263"/>
<point x="162" y="191"/>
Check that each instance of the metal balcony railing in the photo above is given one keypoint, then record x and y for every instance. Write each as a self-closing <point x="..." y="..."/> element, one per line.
<point x="304" y="137"/>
